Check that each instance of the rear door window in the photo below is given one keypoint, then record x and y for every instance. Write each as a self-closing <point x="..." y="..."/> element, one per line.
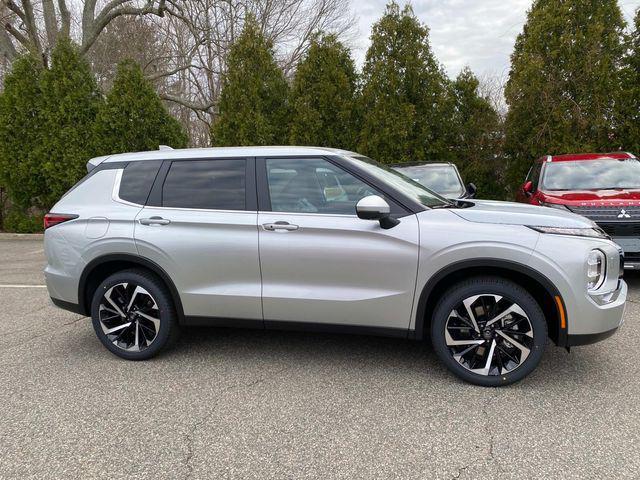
<point x="206" y="184"/>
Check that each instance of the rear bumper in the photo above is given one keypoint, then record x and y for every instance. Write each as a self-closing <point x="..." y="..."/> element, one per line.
<point x="71" y="307"/>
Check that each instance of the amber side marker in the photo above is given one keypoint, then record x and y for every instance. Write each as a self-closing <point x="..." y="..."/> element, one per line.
<point x="563" y="319"/>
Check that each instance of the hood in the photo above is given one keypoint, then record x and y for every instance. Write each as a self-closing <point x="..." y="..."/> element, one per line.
<point x="594" y="198"/>
<point x="508" y="213"/>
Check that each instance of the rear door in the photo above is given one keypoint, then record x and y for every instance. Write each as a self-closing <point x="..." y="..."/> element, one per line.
<point x="321" y="264"/>
<point x="200" y="226"/>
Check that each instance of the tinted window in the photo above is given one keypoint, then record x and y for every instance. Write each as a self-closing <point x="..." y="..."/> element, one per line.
<point x="442" y="179"/>
<point x="137" y="180"/>
<point x="592" y="175"/>
<point x="209" y="184"/>
<point x="313" y="185"/>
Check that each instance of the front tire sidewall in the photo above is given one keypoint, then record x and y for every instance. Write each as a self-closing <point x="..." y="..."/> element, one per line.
<point x="168" y="321"/>
<point x="510" y="291"/>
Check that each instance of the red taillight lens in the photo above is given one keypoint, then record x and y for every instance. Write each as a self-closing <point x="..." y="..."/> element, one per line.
<point x="51" y="219"/>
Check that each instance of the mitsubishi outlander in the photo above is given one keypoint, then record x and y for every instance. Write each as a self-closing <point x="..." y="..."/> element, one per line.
<point x="327" y="240"/>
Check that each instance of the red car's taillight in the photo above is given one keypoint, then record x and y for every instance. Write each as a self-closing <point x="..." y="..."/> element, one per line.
<point x="51" y="219"/>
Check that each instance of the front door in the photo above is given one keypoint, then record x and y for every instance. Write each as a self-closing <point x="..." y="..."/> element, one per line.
<point x="320" y="263"/>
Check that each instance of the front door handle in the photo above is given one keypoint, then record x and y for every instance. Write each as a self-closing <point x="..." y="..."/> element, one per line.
<point x="154" y="221"/>
<point x="272" y="227"/>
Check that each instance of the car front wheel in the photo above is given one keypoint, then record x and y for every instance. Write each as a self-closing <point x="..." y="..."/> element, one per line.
<point x="489" y="331"/>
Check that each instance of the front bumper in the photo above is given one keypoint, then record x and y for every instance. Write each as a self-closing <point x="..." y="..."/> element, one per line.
<point x="603" y="319"/>
<point x="588" y="339"/>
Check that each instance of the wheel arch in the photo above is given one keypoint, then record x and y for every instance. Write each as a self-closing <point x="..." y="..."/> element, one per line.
<point x="101" y="267"/>
<point x="542" y="289"/>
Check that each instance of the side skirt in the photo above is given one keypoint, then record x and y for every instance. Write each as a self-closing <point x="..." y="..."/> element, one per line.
<point x="198" y="321"/>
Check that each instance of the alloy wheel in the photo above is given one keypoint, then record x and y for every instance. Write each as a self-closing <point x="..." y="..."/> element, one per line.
<point x="489" y="334"/>
<point x="129" y="317"/>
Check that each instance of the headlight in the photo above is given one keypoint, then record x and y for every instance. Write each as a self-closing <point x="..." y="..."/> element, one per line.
<point x="595" y="232"/>
<point x="555" y="205"/>
<point x="596" y="269"/>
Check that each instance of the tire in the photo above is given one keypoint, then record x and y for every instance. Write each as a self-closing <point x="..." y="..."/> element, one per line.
<point x="139" y="318"/>
<point x="485" y="316"/>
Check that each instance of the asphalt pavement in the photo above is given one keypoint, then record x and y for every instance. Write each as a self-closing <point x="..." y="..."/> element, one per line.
<point x="227" y="403"/>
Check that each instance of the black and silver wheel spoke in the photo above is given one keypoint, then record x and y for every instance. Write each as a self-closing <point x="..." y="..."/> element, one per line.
<point x="129" y="317"/>
<point x="494" y="336"/>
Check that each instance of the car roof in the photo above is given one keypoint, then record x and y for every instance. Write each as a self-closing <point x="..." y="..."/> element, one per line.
<point x="574" y="157"/>
<point x="167" y="153"/>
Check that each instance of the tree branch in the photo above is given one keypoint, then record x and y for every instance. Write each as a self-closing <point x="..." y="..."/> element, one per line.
<point x="50" y="22"/>
<point x="11" y="5"/>
<point x="23" y="40"/>
<point x="6" y="45"/>
<point x="112" y="10"/>
<point x="31" y="26"/>
<point x="65" y="17"/>
<point x="187" y="103"/>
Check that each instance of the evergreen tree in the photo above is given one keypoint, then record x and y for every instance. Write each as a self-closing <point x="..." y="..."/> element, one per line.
<point x="563" y="81"/>
<point x="323" y="97"/>
<point x="133" y="118"/>
<point x="478" y="137"/>
<point x="404" y="99"/>
<point x="70" y="103"/>
<point x="21" y="134"/>
<point x="253" y="103"/>
<point x="628" y="135"/>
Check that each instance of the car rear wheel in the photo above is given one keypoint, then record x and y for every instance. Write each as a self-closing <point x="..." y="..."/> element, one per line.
<point x="133" y="315"/>
<point x="489" y="331"/>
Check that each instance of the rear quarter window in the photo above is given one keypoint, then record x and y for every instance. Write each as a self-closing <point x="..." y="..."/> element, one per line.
<point x="137" y="180"/>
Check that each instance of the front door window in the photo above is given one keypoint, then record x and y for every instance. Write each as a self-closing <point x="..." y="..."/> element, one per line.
<point x="313" y="185"/>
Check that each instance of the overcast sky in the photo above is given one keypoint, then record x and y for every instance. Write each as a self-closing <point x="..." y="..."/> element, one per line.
<point x="478" y="33"/>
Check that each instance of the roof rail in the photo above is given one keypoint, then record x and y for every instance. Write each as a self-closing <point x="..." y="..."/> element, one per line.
<point x="164" y="147"/>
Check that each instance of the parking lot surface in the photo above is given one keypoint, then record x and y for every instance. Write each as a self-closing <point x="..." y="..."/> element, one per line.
<point x="228" y="403"/>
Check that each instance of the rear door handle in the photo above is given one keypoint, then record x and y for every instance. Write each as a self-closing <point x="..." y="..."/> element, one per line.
<point x="272" y="227"/>
<point x="154" y="221"/>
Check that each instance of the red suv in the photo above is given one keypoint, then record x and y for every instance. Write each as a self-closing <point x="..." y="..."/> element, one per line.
<point x="604" y="187"/>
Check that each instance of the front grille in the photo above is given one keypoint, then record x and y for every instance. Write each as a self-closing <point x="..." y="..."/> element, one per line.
<point x="621" y="229"/>
<point x="632" y="257"/>
<point x="608" y="214"/>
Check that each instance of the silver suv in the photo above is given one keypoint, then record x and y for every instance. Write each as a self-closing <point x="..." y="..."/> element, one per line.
<point x="327" y="240"/>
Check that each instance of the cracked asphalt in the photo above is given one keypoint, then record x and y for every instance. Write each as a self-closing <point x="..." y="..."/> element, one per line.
<point x="244" y="404"/>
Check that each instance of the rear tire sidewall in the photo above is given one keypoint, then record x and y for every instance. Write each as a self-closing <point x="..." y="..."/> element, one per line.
<point x="168" y="322"/>
<point x="508" y="290"/>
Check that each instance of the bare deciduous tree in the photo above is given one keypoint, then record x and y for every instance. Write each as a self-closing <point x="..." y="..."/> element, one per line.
<point x="204" y="32"/>
<point x="182" y="45"/>
<point x="35" y="25"/>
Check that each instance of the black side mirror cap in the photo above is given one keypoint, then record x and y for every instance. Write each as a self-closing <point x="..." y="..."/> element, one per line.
<point x="471" y="190"/>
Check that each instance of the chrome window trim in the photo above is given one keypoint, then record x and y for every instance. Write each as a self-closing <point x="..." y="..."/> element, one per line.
<point x="199" y="209"/>
<point x="271" y="212"/>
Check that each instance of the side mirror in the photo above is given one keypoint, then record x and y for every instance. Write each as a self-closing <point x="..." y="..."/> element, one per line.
<point x="527" y="188"/>
<point x="471" y="190"/>
<point x="374" y="207"/>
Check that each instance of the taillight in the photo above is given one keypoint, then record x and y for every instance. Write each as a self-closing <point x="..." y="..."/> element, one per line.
<point x="51" y="219"/>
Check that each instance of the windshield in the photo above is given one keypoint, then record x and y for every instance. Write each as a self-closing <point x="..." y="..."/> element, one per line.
<point x="443" y="179"/>
<point x="401" y="182"/>
<point x="603" y="174"/>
